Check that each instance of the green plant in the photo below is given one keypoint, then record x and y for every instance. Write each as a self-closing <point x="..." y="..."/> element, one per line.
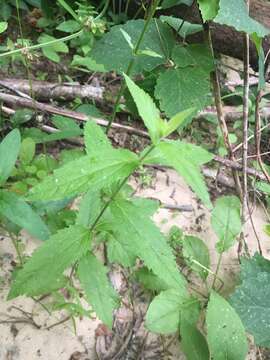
<point x="180" y="78"/>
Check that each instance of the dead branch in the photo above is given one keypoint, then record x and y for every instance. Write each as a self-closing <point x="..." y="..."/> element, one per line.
<point x="43" y="90"/>
<point x="17" y="101"/>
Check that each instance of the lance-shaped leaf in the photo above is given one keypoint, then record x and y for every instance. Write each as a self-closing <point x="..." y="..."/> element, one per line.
<point x="43" y="273"/>
<point x="208" y="8"/>
<point x="138" y="233"/>
<point x="235" y="13"/>
<point x="226" y="221"/>
<point x="20" y="213"/>
<point x="147" y="110"/>
<point x="95" y="139"/>
<point x="9" y="151"/>
<point x="186" y="159"/>
<point x="99" y="292"/>
<point x="78" y="176"/>
<point x="225" y="331"/>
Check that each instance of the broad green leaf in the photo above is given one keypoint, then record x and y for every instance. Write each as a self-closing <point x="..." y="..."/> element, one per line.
<point x="43" y="271"/>
<point x="3" y="26"/>
<point x="251" y="299"/>
<point x="177" y="121"/>
<point x="64" y="123"/>
<point x="119" y="254"/>
<point x="150" y="281"/>
<point x="235" y="13"/>
<point x="88" y="63"/>
<point x="88" y="172"/>
<point x="209" y="9"/>
<point x="69" y="26"/>
<point x="178" y="155"/>
<point x="90" y="207"/>
<point x="27" y="151"/>
<point x="188" y="85"/>
<point x="95" y="139"/>
<point x="185" y="27"/>
<point x="51" y="51"/>
<point x="163" y="314"/>
<point x="193" y="343"/>
<point x="147" y="109"/>
<point x="114" y="52"/>
<point x="9" y="151"/>
<point x="181" y="89"/>
<point x="99" y="292"/>
<point x="226" y="221"/>
<point x="20" y="213"/>
<point x="195" y="249"/>
<point x="225" y="332"/>
<point x="137" y="232"/>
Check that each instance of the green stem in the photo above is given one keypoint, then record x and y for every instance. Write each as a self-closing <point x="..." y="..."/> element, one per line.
<point x="16" y="246"/>
<point x="68" y="9"/>
<point x="39" y="46"/>
<point x="103" y="10"/>
<point x="123" y="182"/>
<point x="131" y="63"/>
<point x="217" y="270"/>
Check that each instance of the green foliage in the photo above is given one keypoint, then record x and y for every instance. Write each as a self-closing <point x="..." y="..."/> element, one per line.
<point x="114" y="52"/>
<point x="251" y="298"/>
<point x="137" y="232"/>
<point x="99" y="292"/>
<point x="184" y="28"/>
<point x="20" y="213"/>
<point x="169" y="3"/>
<point x="3" y="26"/>
<point x="51" y="51"/>
<point x="175" y="87"/>
<point x="226" y="221"/>
<point x="193" y="342"/>
<point x="9" y="151"/>
<point x="209" y="9"/>
<point x="225" y="331"/>
<point x="43" y="273"/>
<point x="235" y="14"/>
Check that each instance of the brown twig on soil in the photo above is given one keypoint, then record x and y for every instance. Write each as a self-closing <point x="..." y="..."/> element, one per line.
<point x="44" y="90"/>
<point x="13" y="100"/>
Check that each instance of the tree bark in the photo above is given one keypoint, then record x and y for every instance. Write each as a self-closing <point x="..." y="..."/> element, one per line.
<point x="226" y="40"/>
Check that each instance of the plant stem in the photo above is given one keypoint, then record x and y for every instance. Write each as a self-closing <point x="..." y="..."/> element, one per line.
<point x="131" y="63"/>
<point x="39" y="46"/>
<point x="219" y="108"/>
<point x="123" y="182"/>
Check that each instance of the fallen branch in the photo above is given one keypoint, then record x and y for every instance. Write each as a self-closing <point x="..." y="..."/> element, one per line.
<point x="44" y="90"/>
<point x="13" y="100"/>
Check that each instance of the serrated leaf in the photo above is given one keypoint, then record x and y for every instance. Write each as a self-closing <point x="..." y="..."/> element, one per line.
<point x="88" y="172"/>
<point x="51" y="51"/>
<point x="99" y="292"/>
<point x="195" y="249"/>
<point x="88" y="63"/>
<point x="119" y="254"/>
<point x="193" y="343"/>
<point x="95" y="139"/>
<point x="43" y="271"/>
<point x="147" y="109"/>
<point x="180" y="89"/>
<point x="20" y="213"/>
<point x="209" y="9"/>
<point x="185" y="27"/>
<point x="235" y="13"/>
<point x="186" y="163"/>
<point x="225" y="331"/>
<point x="194" y="55"/>
<point x="9" y="151"/>
<point x="177" y="121"/>
<point x="163" y="314"/>
<point x="138" y="233"/>
<point x="27" y="151"/>
<point x="114" y="52"/>
<point x="90" y="207"/>
<point x="226" y="221"/>
<point x="251" y="299"/>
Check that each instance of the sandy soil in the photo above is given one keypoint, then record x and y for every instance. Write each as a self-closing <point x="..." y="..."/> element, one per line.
<point x="22" y="340"/>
